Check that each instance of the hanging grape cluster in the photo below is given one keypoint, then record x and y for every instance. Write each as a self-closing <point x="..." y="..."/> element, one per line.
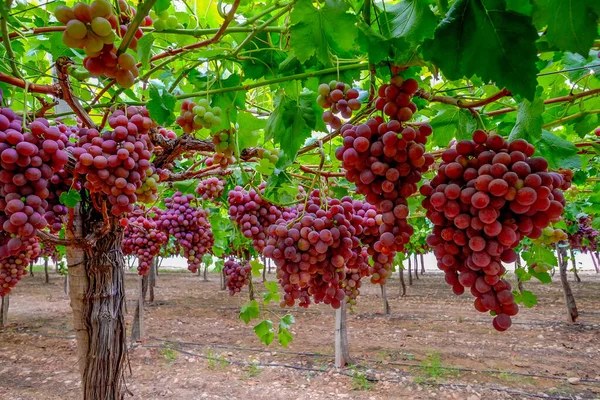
<point x="237" y="275"/>
<point x="252" y="214"/>
<point x="585" y="238"/>
<point x="28" y="160"/>
<point x="116" y="163"/>
<point x="195" y="116"/>
<point x="189" y="226"/>
<point x="210" y="189"/>
<point x="341" y="99"/>
<point x="485" y="198"/>
<point x="143" y="239"/>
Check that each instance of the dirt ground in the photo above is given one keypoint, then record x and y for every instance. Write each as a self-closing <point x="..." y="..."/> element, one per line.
<point x="434" y="345"/>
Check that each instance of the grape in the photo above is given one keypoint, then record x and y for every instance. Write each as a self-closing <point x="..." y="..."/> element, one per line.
<point x="237" y="275"/>
<point x="585" y="239"/>
<point x="142" y="238"/>
<point x="210" y="189"/>
<point x="76" y="29"/>
<point x="497" y="210"/>
<point x="188" y="225"/>
<point x="340" y="99"/>
<point x="101" y="26"/>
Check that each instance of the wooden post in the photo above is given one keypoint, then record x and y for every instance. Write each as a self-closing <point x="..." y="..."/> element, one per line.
<point x="409" y="272"/>
<point x="574" y="264"/>
<point x="416" y="263"/>
<point x="386" y="303"/>
<point x="47" y="277"/>
<point x="422" y="264"/>
<point x="4" y="311"/>
<point x="152" y="280"/>
<point x="402" y="284"/>
<point x="572" y="312"/>
<point x="342" y="353"/>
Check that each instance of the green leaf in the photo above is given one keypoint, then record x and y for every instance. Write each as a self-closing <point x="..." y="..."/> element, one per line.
<point x="452" y="123"/>
<point x="286" y="321"/>
<point x="161" y="106"/>
<point x="529" y="121"/>
<point x="527" y="298"/>
<point x="412" y="20"/>
<point x="144" y="48"/>
<point x="284" y="337"/>
<point x="559" y="152"/>
<point x="249" y="310"/>
<point x="479" y="37"/>
<point x="249" y="128"/>
<point x="292" y="121"/>
<point x="70" y="198"/>
<point x="161" y="5"/>
<point x="520" y="6"/>
<point x="571" y="24"/>
<point x="256" y="267"/>
<point x="265" y="167"/>
<point x="543" y="277"/>
<point x="316" y="32"/>
<point x="264" y="331"/>
<point x="522" y="274"/>
<point x="272" y="287"/>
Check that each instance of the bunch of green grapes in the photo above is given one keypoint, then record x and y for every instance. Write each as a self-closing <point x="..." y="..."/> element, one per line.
<point x="195" y="116"/>
<point x="268" y="157"/>
<point x="88" y="27"/>
<point x="165" y="20"/>
<point x="551" y="236"/>
<point x="224" y="149"/>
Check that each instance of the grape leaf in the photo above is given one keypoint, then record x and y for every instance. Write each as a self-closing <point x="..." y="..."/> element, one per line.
<point x="70" y="198"/>
<point x="161" y="106"/>
<point x="571" y="25"/>
<point x="144" y="48"/>
<point x="249" y="128"/>
<point x="249" y="311"/>
<point x="559" y="152"/>
<point x="520" y="6"/>
<point x="284" y="337"/>
<point x="256" y="267"/>
<point x="412" y="20"/>
<point x="286" y="321"/>
<point x="477" y="30"/>
<point x="452" y="123"/>
<point x="161" y="5"/>
<point x="526" y="297"/>
<point x="292" y="121"/>
<point x="314" y="32"/>
<point x="529" y="120"/>
<point x="264" y="331"/>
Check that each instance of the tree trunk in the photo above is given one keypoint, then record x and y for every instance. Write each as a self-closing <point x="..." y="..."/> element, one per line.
<point x="269" y="261"/>
<point x="47" y="277"/>
<point x="205" y="274"/>
<point x="97" y="291"/>
<point x="572" y="313"/>
<point x="574" y="264"/>
<point x="422" y="264"/>
<point x="152" y="280"/>
<point x="416" y="264"/>
<point x="386" y="303"/>
<point x="264" y="273"/>
<point x="223" y="279"/>
<point x="4" y="311"/>
<point x="31" y="269"/>
<point x="66" y="285"/>
<point x="402" y="284"/>
<point x="342" y="352"/>
<point x="137" y="329"/>
<point x="251" y="287"/>
<point x="409" y="272"/>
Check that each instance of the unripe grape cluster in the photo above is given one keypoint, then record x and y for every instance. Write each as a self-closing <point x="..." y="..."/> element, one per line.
<point x="195" y="116"/>
<point x="224" y="148"/>
<point x="210" y="189"/>
<point x="341" y="99"/>
<point x="237" y="275"/>
<point x="551" y="236"/>
<point x="189" y="226"/>
<point x="252" y="214"/>
<point x="268" y="157"/>
<point x="166" y="20"/>
<point x="486" y="197"/>
<point x="147" y="192"/>
<point x="117" y="162"/>
<point x="395" y="98"/>
<point x="143" y="239"/>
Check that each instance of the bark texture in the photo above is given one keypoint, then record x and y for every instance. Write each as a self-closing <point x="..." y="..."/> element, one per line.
<point x="572" y="312"/>
<point x="386" y="304"/>
<point x="4" y="311"/>
<point x="342" y="351"/>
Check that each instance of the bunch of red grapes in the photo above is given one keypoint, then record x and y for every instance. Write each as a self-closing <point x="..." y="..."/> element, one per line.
<point x="210" y="189"/>
<point x="386" y="161"/>
<point x="237" y="275"/>
<point x="28" y="160"/>
<point x="253" y="214"/>
<point x="340" y="99"/>
<point x="395" y="99"/>
<point x="143" y="239"/>
<point x="485" y="198"/>
<point x="116" y="162"/>
<point x="312" y="249"/>
<point x="586" y="237"/>
<point x="189" y="226"/>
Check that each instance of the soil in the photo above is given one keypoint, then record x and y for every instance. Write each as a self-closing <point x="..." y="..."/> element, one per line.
<point x="434" y="345"/>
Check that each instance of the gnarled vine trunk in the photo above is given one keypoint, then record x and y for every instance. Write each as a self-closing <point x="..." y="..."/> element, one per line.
<point x="386" y="303"/>
<point x="4" y="311"/>
<point x="422" y="264"/>
<point x="572" y="312"/>
<point x="97" y="292"/>
<point x="152" y="280"/>
<point x="574" y="264"/>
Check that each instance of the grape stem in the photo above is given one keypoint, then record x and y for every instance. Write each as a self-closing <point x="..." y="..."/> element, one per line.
<point x="460" y="103"/>
<point x="9" y="51"/>
<point x="62" y="72"/>
<point x="141" y="13"/>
